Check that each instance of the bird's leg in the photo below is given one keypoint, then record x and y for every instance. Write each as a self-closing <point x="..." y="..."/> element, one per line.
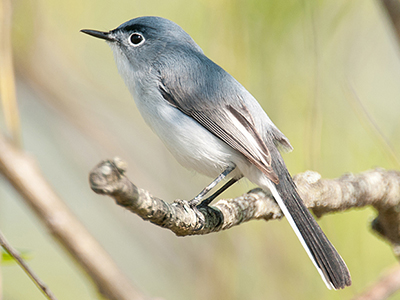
<point x="208" y="200"/>
<point x="195" y="201"/>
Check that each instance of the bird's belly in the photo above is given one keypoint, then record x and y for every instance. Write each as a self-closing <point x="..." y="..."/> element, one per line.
<point x="191" y="144"/>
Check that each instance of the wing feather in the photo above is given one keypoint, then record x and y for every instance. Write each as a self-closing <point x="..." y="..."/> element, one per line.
<point x="233" y="125"/>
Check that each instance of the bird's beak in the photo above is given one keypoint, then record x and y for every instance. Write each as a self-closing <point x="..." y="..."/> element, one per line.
<point x="99" y="34"/>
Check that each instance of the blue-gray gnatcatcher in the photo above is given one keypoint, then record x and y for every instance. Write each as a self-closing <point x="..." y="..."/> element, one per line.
<point x="212" y="124"/>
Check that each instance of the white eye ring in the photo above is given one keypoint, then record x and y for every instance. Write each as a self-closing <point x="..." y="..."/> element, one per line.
<point x="136" y="39"/>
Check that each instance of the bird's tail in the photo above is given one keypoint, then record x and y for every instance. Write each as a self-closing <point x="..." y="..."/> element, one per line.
<point x="322" y="253"/>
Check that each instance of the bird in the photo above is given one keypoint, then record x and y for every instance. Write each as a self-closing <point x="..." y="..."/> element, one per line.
<point x="213" y="125"/>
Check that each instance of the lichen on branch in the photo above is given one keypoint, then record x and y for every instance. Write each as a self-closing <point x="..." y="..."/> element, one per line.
<point x="377" y="188"/>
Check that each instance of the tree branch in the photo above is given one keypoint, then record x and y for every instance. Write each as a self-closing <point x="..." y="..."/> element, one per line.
<point x="22" y="172"/>
<point x="377" y="188"/>
<point x="392" y="8"/>
<point x="108" y="179"/>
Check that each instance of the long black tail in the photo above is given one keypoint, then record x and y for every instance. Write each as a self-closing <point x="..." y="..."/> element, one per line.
<point x="326" y="259"/>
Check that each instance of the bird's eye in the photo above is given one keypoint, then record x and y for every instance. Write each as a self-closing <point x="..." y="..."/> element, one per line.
<point x="136" y="39"/>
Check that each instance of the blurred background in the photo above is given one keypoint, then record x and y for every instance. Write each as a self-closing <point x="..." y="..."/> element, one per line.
<point x="327" y="72"/>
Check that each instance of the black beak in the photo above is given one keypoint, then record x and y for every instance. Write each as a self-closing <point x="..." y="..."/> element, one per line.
<point x="99" y="34"/>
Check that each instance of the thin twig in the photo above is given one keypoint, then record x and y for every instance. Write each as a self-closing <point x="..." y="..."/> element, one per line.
<point x="27" y="269"/>
<point x="386" y="286"/>
<point x="366" y="117"/>
<point x="7" y="77"/>
<point x="23" y="173"/>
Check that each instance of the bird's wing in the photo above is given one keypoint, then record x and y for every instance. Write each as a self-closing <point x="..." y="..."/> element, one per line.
<point x="216" y="103"/>
<point x="215" y="100"/>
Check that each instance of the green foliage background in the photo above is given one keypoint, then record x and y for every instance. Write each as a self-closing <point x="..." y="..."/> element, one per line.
<point x="327" y="72"/>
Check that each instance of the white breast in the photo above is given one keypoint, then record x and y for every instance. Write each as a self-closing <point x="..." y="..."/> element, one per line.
<point x="190" y="143"/>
